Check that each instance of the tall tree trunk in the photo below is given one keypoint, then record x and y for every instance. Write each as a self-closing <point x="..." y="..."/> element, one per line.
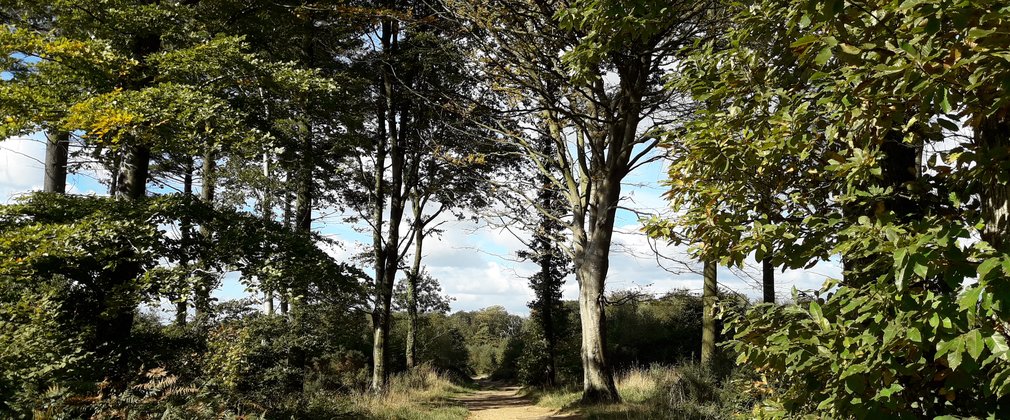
<point x="266" y="209"/>
<point x="303" y="192"/>
<point x="57" y="152"/>
<point x="186" y="231"/>
<point x="303" y="201"/>
<point x="282" y="294"/>
<point x="899" y="165"/>
<point x="134" y="172"/>
<point x="709" y="296"/>
<point x="598" y="378"/>
<point x="390" y="254"/>
<point x="768" y="279"/>
<point x="379" y="252"/>
<point x="204" y="283"/>
<point x="130" y="183"/>
<point x="413" y="277"/>
<point x="992" y="139"/>
<point x="592" y="262"/>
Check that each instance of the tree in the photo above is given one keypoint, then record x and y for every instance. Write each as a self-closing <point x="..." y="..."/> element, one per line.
<point x="428" y="297"/>
<point x="446" y="172"/>
<point x="848" y="102"/>
<point x="710" y="294"/>
<point x="584" y="75"/>
<point x="547" y="310"/>
<point x="417" y="153"/>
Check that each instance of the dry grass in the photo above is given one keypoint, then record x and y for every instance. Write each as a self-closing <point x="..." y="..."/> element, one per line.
<point x="418" y="394"/>
<point x="655" y="392"/>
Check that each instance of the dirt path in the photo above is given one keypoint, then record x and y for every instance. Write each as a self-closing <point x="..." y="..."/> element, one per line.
<point x="498" y="401"/>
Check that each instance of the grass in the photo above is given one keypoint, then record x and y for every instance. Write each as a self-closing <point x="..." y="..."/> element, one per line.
<point x="420" y="394"/>
<point x="685" y="392"/>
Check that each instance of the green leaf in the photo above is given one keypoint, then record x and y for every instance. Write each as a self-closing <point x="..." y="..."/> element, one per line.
<point x="945" y="103"/>
<point x="974" y="344"/>
<point x="850" y="49"/>
<point x="806" y="40"/>
<point x="970" y="298"/>
<point x="823" y="56"/>
<point x="997" y="344"/>
<point x="954" y="359"/>
<point x="901" y="267"/>
<point x="919" y="268"/>
<point x="914" y="335"/>
<point x="818" y="315"/>
<point x="887" y="392"/>
<point x="977" y="33"/>
<point x="986" y="266"/>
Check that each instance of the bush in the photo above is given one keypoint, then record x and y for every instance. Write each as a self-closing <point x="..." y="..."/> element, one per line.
<point x="876" y="351"/>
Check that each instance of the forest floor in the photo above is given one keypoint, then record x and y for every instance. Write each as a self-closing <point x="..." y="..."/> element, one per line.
<point x="502" y="401"/>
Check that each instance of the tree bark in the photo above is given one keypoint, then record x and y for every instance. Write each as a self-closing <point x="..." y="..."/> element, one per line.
<point x="768" y="279"/>
<point x="57" y="152"/>
<point x="134" y="172"/>
<point x="412" y="279"/>
<point x="186" y="231"/>
<point x="708" y="298"/>
<point x="303" y="202"/>
<point x="303" y="194"/>
<point x="282" y="294"/>
<point x="592" y="262"/>
<point x="992" y="139"/>
<point x="203" y="284"/>
<point x="266" y="208"/>
<point x="382" y="314"/>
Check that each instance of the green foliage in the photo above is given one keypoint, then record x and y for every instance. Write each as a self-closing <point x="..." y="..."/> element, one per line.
<point x="607" y="29"/>
<point x="429" y="295"/>
<point x="489" y="333"/>
<point x="812" y="119"/>
<point x="882" y="349"/>
<point x="531" y="364"/>
<point x="74" y="270"/>
<point x="646" y="330"/>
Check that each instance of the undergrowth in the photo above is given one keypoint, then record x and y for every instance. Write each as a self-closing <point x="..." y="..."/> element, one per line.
<point x="687" y="391"/>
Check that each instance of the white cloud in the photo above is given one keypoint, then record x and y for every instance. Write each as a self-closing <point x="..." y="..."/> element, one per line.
<point x="21" y="167"/>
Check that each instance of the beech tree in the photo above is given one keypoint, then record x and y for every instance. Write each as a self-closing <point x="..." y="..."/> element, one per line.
<point x="586" y="75"/>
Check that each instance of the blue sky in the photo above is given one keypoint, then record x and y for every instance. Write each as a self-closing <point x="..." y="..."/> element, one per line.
<point x="475" y="263"/>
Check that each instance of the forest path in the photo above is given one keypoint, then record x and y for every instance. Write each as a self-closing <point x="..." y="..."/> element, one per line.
<point x="500" y="401"/>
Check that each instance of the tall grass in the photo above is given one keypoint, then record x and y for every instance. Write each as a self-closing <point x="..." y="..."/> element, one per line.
<point x="687" y="391"/>
<point x="419" y="394"/>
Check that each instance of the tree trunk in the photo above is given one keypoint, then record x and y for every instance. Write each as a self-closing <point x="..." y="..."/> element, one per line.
<point x="57" y="151"/>
<point x="203" y="284"/>
<point x="266" y="209"/>
<point x="768" y="279"/>
<point x="282" y="294"/>
<point x="303" y="193"/>
<point x="413" y="277"/>
<point x="378" y="218"/>
<point x="390" y="255"/>
<point x="598" y="378"/>
<point x="186" y="231"/>
<point x="992" y="139"/>
<point x="708" y="298"/>
<point x="592" y="262"/>
<point x="303" y="202"/>
<point x="133" y="173"/>
<point x="898" y="166"/>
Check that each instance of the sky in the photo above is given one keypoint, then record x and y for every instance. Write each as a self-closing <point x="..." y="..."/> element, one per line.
<point x="476" y="263"/>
